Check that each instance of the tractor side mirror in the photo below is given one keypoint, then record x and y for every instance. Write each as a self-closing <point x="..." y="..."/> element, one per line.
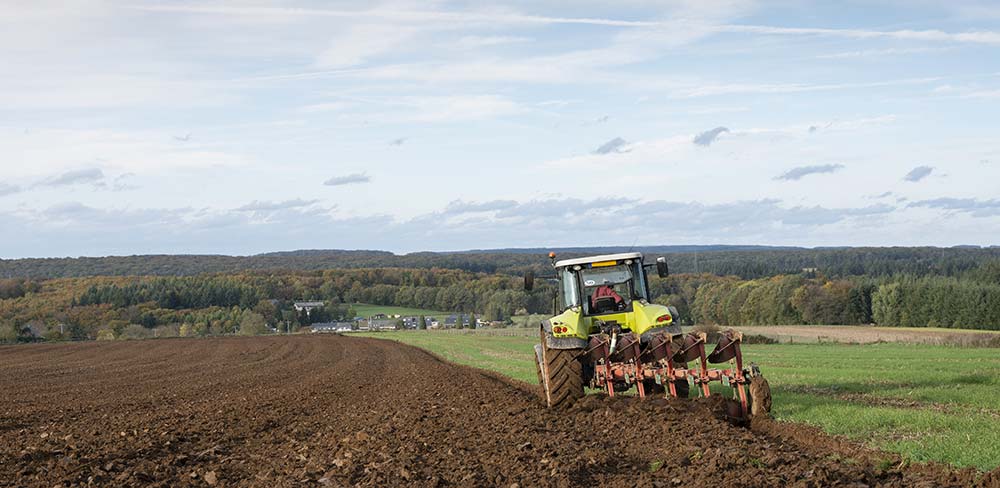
<point x="662" y="270"/>
<point x="529" y="280"/>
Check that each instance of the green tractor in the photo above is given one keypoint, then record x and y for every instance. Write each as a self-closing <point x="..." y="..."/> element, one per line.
<point x="608" y="335"/>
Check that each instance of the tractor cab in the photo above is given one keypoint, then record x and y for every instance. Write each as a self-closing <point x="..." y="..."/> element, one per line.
<point x="602" y="285"/>
<point x="607" y="292"/>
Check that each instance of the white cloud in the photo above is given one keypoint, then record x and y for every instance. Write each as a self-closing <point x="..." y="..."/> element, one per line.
<point x="773" y="88"/>
<point x="877" y="53"/>
<point x="324" y="107"/>
<point x="800" y="172"/>
<point x="444" y="108"/>
<point x="476" y="42"/>
<point x="58" y="89"/>
<point x="121" y="183"/>
<point x="708" y="137"/>
<point x="700" y="21"/>
<point x="544" y="69"/>
<point x="557" y="103"/>
<point x="8" y="189"/>
<point x="918" y="173"/>
<point x="932" y="35"/>
<point x="463" y="207"/>
<point x="652" y="152"/>
<point x="75" y="177"/>
<point x="42" y="152"/>
<point x="348" y="179"/>
<point x="266" y="226"/>
<point x="973" y="206"/>
<point x="718" y="110"/>
<point x="362" y="42"/>
<point x="395" y="15"/>
<point x="616" y="145"/>
<point x="823" y="126"/>
<point x="985" y="94"/>
<point x="264" y="206"/>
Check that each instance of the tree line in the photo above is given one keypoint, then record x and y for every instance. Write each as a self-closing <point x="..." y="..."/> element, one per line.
<point x="208" y="304"/>
<point x="744" y="262"/>
<point x="86" y="308"/>
<point x="905" y="301"/>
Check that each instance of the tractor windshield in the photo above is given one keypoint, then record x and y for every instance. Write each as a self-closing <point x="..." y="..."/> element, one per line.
<point x="570" y="297"/>
<point x="611" y="289"/>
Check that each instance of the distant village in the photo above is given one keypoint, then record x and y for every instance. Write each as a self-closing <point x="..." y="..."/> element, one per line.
<point x="381" y="321"/>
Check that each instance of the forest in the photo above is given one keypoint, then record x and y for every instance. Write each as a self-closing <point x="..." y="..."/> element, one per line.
<point x="137" y="307"/>
<point x="746" y="262"/>
<point x="82" y="308"/>
<point x="914" y="287"/>
<point x="900" y="301"/>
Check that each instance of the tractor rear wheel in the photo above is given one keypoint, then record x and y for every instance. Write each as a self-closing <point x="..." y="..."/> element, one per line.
<point x="560" y="373"/>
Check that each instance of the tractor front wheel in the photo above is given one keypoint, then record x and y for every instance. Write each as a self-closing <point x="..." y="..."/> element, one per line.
<point x="560" y="373"/>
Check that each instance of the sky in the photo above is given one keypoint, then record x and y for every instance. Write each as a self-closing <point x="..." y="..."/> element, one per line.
<point x="242" y="127"/>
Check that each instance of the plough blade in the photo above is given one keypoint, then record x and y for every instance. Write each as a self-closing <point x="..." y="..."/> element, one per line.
<point x="693" y="347"/>
<point x="622" y="362"/>
<point x="727" y="348"/>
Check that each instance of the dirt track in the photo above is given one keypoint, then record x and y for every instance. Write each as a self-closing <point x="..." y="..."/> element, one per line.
<point x="343" y="411"/>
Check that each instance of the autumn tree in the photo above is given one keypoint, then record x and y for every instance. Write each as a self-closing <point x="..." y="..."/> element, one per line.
<point x="252" y="323"/>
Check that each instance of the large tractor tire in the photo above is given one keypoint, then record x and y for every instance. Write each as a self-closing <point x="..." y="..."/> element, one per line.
<point x="560" y="374"/>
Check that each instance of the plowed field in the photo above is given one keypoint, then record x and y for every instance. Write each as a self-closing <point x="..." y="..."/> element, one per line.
<point x="339" y="411"/>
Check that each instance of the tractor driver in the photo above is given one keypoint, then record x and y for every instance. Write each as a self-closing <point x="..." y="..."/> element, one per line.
<point x="604" y="291"/>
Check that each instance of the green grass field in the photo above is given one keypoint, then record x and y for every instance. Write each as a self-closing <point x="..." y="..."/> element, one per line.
<point x="930" y="403"/>
<point x="366" y="310"/>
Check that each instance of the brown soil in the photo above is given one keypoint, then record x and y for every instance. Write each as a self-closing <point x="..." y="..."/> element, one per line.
<point x="338" y="411"/>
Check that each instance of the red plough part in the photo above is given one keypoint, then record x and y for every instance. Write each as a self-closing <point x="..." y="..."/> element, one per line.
<point x="620" y="361"/>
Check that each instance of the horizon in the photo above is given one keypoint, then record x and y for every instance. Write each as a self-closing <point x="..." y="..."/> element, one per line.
<point x="142" y="128"/>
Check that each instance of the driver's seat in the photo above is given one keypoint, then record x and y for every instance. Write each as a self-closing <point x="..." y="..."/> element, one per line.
<point x="604" y="304"/>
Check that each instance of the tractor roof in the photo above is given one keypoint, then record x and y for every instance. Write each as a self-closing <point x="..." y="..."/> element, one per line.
<point x="597" y="259"/>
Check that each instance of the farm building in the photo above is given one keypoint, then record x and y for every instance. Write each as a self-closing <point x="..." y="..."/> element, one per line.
<point x="452" y="320"/>
<point x="382" y="324"/>
<point x="333" y="327"/>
